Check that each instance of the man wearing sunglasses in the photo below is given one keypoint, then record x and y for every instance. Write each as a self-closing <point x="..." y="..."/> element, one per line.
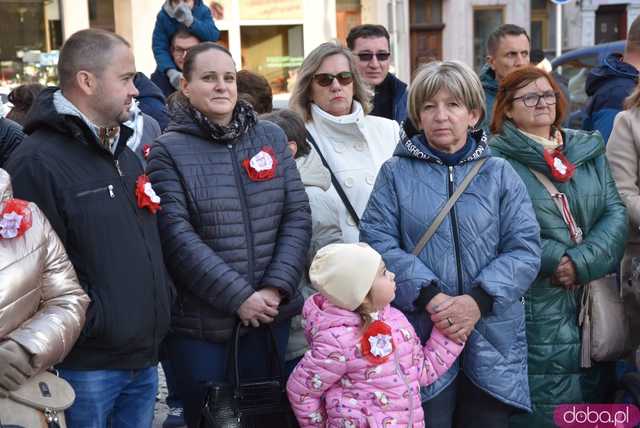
<point x="370" y="45"/>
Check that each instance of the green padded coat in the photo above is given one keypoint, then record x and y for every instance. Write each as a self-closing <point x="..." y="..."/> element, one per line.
<point x="551" y="312"/>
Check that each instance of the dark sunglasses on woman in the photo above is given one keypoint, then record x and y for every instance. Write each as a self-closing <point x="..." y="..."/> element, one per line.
<point x="326" y="79"/>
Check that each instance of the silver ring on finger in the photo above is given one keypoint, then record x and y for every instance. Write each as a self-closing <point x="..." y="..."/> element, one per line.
<point x="450" y="322"/>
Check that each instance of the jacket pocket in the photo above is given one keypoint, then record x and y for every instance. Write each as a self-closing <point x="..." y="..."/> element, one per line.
<point x="109" y="189"/>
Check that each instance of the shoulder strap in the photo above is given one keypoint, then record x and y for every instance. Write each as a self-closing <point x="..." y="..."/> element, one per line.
<point x="447" y="207"/>
<point x="561" y="201"/>
<point x="335" y="182"/>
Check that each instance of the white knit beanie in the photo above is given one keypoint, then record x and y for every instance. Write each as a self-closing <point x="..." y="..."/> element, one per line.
<point x="344" y="273"/>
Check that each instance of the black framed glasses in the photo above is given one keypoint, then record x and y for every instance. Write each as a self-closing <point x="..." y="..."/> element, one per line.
<point x="368" y="56"/>
<point x="532" y="99"/>
<point x="326" y="79"/>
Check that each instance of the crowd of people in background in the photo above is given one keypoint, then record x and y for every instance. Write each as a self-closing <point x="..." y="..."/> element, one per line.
<point x="398" y="239"/>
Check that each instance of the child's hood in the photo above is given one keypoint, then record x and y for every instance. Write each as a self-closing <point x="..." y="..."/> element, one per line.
<point x="319" y="314"/>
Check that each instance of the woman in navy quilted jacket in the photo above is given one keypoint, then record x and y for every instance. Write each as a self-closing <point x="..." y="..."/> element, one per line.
<point x="235" y="226"/>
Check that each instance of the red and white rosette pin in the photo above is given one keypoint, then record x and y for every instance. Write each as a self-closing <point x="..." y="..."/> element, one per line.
<point x="15" y="218"/>
<point x="561" y="169"/>
<point x="146" y="196"/>
<point x="262" y="166"/>
<point x="377" y="342"/>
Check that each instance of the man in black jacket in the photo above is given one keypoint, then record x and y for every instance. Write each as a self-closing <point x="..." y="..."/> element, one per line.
<point x="76" y="166"/>
<point x="370" y="45"/>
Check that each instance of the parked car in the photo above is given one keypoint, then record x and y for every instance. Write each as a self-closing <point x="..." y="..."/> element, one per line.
<point x="574" y="67"/>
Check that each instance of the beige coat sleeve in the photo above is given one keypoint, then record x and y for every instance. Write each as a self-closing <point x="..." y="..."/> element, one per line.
<point x="623" y="153"/>
<point x="52" y="331"/>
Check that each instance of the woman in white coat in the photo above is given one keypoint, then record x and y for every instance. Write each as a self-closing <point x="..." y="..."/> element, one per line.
<point x="334" y="102"/>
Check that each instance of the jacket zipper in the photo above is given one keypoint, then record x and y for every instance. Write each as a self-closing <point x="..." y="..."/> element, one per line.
<point x="108" y="188"/>
<point x="116" y="164"/>
<point x="456" y="244"/>
<point x="406" y="384"/>
<point x="456" y="238"/>
<point x="245" y="213"/>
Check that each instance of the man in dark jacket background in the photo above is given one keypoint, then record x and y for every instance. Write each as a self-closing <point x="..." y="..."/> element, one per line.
<point x="181" y="42"/>
<point x="10" y="136"/>
<point x="508" y="48"/>
<point x="370" y="44"/>
<point x="609" y="84"/>
<point x="151" y="99"/>
<point x="76" y="166"/>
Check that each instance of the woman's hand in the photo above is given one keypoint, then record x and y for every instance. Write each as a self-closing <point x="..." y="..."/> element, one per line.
<point x="456" y="317"/>
<point x="257" y="309"/>
<point x="565" y="274"/>
<point x="434" y="304"/>
<point x="271" y="296"/>
<point x="15" y="366"/>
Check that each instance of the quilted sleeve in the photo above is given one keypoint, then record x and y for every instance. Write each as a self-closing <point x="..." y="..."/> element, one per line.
<point x="439" y="355"/>
<point x="320" y="368"/>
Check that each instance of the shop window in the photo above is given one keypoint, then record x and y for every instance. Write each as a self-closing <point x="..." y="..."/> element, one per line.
<point x="274" y="51"/>
<point x="485" y="20"/>
<point x="29" y="30"/>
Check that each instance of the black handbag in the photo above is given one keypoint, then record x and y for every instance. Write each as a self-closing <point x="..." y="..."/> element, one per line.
<point x="253" y="404"/>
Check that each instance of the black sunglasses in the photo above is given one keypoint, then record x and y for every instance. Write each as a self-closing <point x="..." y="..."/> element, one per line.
<point x="326" y="79"/>
<point x="368" y="56"/>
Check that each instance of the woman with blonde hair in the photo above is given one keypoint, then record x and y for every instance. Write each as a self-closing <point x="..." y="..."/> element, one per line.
<point x="334" y="101"/>
<point x="468" y="279"/>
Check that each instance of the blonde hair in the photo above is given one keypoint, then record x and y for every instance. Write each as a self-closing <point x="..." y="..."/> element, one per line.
<point x="300" y="100"/>
<point x="454" y="76"/>
<point x="633" y="100"/>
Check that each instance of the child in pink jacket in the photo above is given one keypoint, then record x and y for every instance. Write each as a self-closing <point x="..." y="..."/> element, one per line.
<point x="365" y="364"/>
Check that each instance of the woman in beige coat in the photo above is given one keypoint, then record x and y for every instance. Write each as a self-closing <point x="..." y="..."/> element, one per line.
<point x="623" y="152"/>
<point x="42" y="306"/>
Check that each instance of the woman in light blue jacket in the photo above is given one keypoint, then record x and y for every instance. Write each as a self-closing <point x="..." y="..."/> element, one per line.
<point x="470" y="278"/>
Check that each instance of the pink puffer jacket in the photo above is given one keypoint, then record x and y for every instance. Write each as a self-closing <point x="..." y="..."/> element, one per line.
<point x="335" y="386"/>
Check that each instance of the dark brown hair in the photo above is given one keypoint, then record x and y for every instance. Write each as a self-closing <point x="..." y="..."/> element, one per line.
<point x="293" y="126"/>
<point x="516" y="80"/>
<point x="22" y="99"/>
<point x="192" y="54"/>
<point x="256" y="89"/>
<point x="366" y="31"/>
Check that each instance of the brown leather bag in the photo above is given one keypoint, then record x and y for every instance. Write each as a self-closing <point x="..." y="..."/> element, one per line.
<point x="38" y="403"/>
<point x="605" y="327"/>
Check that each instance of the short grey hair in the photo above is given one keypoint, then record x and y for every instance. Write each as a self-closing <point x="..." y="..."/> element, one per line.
<point x="86" y="50"/>
<point x="300" y="100"/>
<point x="454" y="76"/>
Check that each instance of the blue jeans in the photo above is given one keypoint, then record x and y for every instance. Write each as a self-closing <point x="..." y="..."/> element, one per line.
<point x="196" y="362"/>
<point x="114" y="398"/>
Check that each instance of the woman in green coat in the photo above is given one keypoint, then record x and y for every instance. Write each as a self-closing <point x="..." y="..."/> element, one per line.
<point x="528" y="110"/>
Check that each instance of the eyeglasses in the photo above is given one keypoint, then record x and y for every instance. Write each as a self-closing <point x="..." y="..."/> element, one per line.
<point x="180" y="51"/>
<point x="368" y="56"/>
<point x="532" y="100"/>
<point x="326" y="79"/>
